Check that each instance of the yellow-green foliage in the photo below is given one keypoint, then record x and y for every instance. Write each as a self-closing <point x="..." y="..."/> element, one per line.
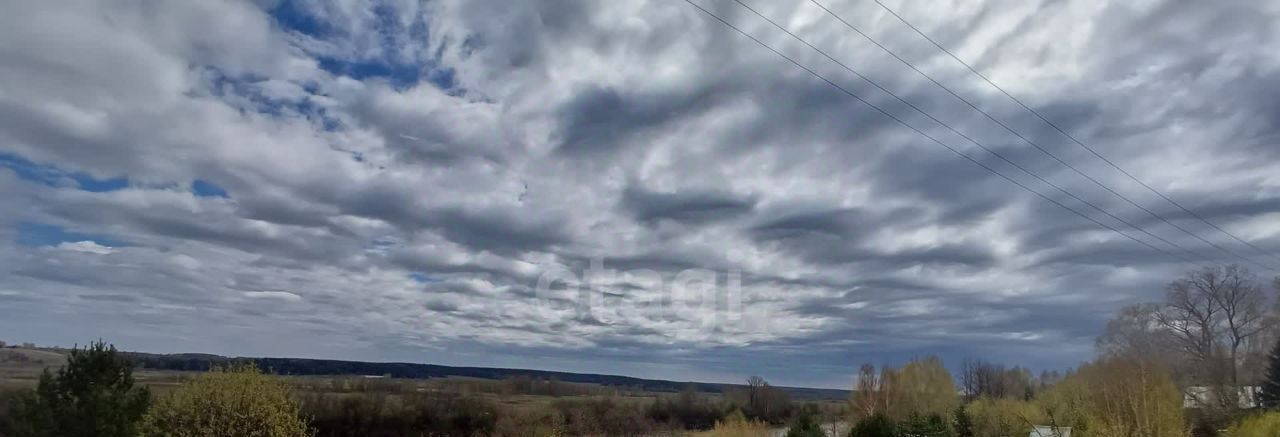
<point x="1003" y="417"/>
<point x="1265" y="425"/>
<point x="238" y="401"/>
<point x="1117" y="397"/>
<point x="737" y="425"/>
<point x="923" y="387"/>
<point x="1067" y="403"/>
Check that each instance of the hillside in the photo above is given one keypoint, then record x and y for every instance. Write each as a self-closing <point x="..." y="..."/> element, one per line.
<point x="303" y="366"/>
<point x="30" y="357"/>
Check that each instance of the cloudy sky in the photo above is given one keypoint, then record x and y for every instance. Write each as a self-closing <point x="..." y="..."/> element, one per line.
<point x="390" y="180"/>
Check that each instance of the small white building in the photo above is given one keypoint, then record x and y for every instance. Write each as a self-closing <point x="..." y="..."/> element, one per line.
<point x="1200" y="397"/>
<point x="1049" y="431"/>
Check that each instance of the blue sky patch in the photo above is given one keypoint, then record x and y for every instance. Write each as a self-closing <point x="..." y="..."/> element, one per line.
<point x="420" y="277"/>
<point x="294" y="16"/>
<point x="42" y="234"/>
<point x="297" y="16"/>
<point x="55" y="177"/>
<point x="400" y="76"/>
<point x="100" y="185"/>
<point x="203" y="188"/>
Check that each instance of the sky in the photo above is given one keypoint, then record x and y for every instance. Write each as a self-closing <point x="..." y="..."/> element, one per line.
<point x="432" y="181"/>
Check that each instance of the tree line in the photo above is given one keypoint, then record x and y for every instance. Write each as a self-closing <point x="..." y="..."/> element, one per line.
<point x="95" y="395"/>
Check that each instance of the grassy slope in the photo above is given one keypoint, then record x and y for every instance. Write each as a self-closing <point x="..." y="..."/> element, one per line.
<point x="22" y="366"/>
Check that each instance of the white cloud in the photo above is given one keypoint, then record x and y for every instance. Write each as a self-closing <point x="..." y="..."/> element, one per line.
<point x="86" y="247"/>
<point x="274" y="295"/>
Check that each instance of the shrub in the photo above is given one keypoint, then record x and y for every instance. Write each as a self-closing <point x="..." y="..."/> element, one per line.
<point x="389" y="415"/>
<point x="93" y="395"/>
<point x="238" y="401"/>
<point x="805" y="425"/>
<point x="521" y="423"/>
<point x="603" y="416"/>
<point x="925" y="425"/>
<point x="962" y="422"/>
<point x="1117" y="397"/>
<point x="688" y="410"/>
<point x="1263" y="425"/>
<point x="877" y="425"/>
<point x="737" y="425"/>
<point x="1003" y="417"/>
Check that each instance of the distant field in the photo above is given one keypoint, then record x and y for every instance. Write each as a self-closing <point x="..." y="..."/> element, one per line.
<point x="30" y="356"/>
<point x="418" y="371"/>
<point x="21" y="368"/>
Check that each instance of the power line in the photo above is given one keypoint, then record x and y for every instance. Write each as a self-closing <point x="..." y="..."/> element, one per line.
<point x="932" y="138"/>
<point x="1029" y="141"/>
<point x="1069" y="136"/>
<point x="963" y="135"/>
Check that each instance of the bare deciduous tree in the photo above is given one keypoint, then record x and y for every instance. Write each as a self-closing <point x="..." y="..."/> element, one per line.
<point x="1192" y="316"/>
<point x="983" y="379"/>
<point x="871" y="391"/>
<point x="755" y="386"/>
<point x="1242" y="303"/>
<point x="1215" y="312"/>
<point x="1212" y="317"/>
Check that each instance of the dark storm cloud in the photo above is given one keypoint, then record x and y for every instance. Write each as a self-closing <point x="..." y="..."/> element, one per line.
<point x="692" y="207"/>
<point x="110" y="298"/>
<point x="501" y="231"/>
<point x="837" y="237"/>
<point x="602" y="120"/>
<point x="845" y="224"/>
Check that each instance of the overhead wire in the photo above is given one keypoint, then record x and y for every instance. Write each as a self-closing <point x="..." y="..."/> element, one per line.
<point x="1031" y="142"/>
<point x="934" y="139"/>
<point x="1072" y="138"/>
<point x="968" y="138"/>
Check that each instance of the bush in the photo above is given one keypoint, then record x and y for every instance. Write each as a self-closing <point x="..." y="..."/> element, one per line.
<point x="238" y="401"/>
<point x="1207" y="422"/>
<point x="925" y="425"/>
<point x="1117" y="397"/>
<point x="384" y="415"/>
<point x="877" y="425"/>
<point x="737" y="425"/>
<point x="1263" y="425"/>
<point x="603" y="416"/>
<point x="522" y="423"/>
<point x="7" y="398"/>
<point x="1003" y="417"/>
<point x="688" y="410"/>
<point x="805" y="425"/>
<point x="91" y="396"/>
<point x="962" y="422"/>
